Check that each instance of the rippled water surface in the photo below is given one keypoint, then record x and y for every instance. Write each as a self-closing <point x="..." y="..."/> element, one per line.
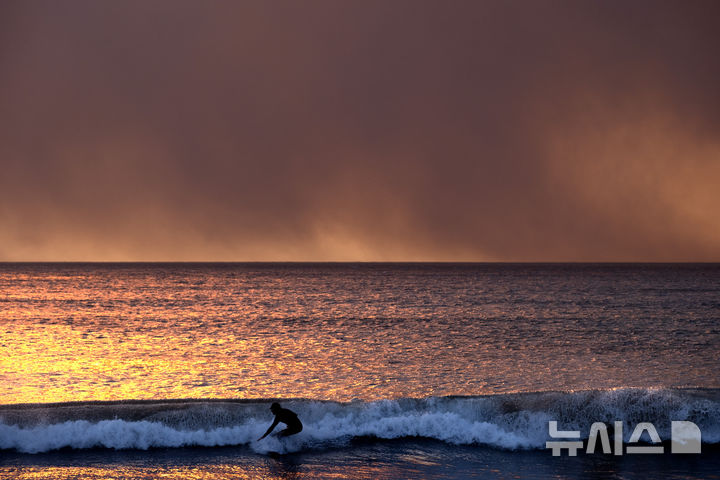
<point x="344" y="331"/>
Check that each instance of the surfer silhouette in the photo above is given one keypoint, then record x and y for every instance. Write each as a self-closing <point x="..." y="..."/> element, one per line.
<point x="288" y="417"/>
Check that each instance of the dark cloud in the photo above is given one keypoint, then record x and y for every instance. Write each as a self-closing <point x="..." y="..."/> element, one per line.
<point x="323" y="130"/>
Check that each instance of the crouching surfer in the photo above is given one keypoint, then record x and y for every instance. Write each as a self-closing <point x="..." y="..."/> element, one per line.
<point x="288" y="417"/>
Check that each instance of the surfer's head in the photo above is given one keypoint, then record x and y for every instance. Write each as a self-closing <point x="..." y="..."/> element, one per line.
<point x="275" y="407"/>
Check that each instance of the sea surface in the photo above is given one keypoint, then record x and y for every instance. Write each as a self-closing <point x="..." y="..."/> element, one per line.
<point x="396" y="370"/>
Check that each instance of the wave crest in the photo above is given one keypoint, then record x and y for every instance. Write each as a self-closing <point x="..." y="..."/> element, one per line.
<point x="511" y="421"/>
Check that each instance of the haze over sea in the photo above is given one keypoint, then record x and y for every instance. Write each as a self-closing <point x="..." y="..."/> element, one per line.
<point x="397" y="370"/>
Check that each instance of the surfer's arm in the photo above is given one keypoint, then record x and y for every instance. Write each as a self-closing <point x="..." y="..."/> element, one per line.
<point x="271" y="428"/>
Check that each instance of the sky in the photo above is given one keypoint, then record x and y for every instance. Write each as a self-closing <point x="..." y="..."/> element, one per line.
<point x="373" y="130"/>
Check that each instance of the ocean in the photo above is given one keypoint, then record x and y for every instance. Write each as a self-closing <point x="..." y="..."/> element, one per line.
<point x="440" y="371"/>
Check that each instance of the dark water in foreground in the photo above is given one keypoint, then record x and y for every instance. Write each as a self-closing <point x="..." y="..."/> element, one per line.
<point x="390" y="460"/>
<point x="375" y="356"/>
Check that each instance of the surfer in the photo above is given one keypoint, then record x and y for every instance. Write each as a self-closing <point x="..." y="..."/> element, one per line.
<point x="288" y="417"/>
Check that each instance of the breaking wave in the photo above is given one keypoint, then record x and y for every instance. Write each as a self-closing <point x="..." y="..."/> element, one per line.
<point x="509" y="421"/>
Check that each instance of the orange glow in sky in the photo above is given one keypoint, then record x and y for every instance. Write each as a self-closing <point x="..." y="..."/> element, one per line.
<point x="521" y="131"/>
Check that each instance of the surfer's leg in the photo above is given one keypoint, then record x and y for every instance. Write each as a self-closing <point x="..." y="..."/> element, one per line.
<point x="289" y="431"/>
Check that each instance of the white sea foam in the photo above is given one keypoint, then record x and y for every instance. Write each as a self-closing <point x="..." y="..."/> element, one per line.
<point x="516" y="421"/>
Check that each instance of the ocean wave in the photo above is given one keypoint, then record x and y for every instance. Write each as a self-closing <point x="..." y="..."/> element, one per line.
<point x="509" y="421"/>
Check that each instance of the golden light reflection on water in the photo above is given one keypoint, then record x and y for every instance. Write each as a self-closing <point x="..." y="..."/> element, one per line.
<point x="89" y="332"/>
<point x="171" y="473"/>
<point x="130" y="473"/>
<point x="130" y="333"/>
<point x="260" y="469"/>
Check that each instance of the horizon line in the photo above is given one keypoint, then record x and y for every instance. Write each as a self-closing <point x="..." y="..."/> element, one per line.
<point x="367" y="262"/>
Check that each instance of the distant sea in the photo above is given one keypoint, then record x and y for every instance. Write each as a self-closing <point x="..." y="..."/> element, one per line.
<point x="446" y="371"/>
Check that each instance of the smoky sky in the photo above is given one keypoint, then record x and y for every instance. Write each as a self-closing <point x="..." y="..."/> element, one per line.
<point x="360" y="130"/>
